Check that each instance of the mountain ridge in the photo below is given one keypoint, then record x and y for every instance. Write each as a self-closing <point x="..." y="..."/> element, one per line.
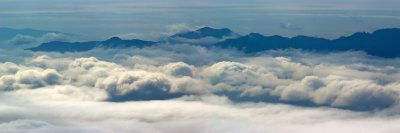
<point x="8" y="33"/>
<point x="382" y="43"/>
<point x="114" y="42"/>
<point x="205" y="32"/>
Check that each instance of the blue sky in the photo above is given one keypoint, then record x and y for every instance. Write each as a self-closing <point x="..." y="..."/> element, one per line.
<point x="99" y="19"/>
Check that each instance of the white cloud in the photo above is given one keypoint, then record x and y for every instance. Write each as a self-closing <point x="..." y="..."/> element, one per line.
<point x="95" y="91"/>
<point x="25" y="40"/>
<point x="358" y="84"/>
<point x="290" y="26"/>
<point x="178" y="28"/>
<point x="157" y="36"/>
<point x="179" y="69"/>
<point x="49" y="37"/>
<point x="208" y="114"/>
<point x="30" y="78"/>
<point x="61" y="93"/>
<point x="22" y="40"/>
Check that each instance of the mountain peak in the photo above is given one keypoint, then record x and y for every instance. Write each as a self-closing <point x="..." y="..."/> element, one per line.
<point x="8" y="33"/>
<point x="255" y="35"/>
<point x="114" y="39"/>
<point x="387" y="32"/>
<point x="209" y="29"/>
<point x="205" y="29"/>
<point x="382" y="43"/>
<point x="205" y="32"/>
<point x="114" y="42"/>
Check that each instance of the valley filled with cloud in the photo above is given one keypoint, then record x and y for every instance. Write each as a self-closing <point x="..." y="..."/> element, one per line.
<point x="183" y="85"/>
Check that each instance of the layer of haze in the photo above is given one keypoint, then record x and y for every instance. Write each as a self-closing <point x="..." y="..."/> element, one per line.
<point x="99" y="19"/>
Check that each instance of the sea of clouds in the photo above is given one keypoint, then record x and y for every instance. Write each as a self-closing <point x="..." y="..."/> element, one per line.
<point x="178" y="88"/>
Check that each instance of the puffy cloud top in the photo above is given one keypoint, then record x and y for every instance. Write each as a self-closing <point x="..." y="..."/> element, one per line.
<point x="191" y="85"/>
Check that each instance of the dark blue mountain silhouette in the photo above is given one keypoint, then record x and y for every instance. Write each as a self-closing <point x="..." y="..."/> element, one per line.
<point x="9" y="33"/>
<point x="116" y="42"/>
<point x="383" y="43"/>
<point x="255" y="42"/>
<point x="205" y="32"/>
<point x="113" y="42"/>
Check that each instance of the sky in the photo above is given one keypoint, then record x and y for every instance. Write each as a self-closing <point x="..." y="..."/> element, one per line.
<point x="100" y="19"/>
<point x="182" y="85"/>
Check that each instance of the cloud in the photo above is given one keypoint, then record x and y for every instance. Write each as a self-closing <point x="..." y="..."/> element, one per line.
<point x="178" y="28"/>
<point x="157" y="36"/>
<point x="206" y="113"/>
<point x="205" y="41"/>
<point x="62" y="93"/>
<point x="298" y="78"/>
<point x="184" y="87"/>
<point x="23" y="77"/>
<point x="35" y="126"/>
<point x="135" y="81"/>
<point x="290" y="26"/>
<point x="48" y="37"/>
<point x="357" y="93"/>
<point x="181" y="75"/>
<point x="22" y="40"/>
<point x="151" y="36"/>
<point x="179" y="69"/>
<point x="236" y="76"/>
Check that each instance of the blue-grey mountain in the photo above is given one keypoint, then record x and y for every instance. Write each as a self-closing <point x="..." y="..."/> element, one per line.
<point x="113" y="42"/>
<point x="9" y="33"/>
<point x="382" y="43"/>
<point x="205" y="32"/>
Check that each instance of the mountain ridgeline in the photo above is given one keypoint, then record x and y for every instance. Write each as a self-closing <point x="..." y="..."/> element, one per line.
<point x="205" y="32"/>
<point x="9" y="33"/>
<point x="113" y="42"/>
<point x="382" y="43"/>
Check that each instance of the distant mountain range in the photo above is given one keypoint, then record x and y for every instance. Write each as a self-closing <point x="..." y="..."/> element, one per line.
<point x="116" y="42"/>
<point x="382" y="43"/>
<point x="113" y="42"/>
<point x="205" y="32"/>
<point x="9" y="33"/>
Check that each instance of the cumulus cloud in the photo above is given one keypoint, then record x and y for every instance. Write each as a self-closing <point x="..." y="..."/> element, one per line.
<point x="27" y="78"/>
<point x="179" y="69"/>
<point x="302" y="81"/>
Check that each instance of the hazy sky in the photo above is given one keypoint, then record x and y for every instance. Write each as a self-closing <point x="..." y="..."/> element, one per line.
<point x="100" y="19"/>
